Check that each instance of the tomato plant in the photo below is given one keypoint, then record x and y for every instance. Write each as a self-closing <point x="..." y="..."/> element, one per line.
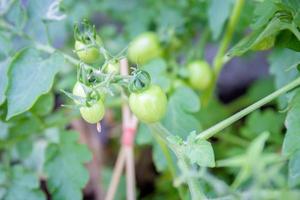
<point x="179" y="92"/>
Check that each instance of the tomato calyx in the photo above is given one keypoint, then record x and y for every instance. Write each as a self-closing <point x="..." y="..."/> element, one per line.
<point x="140" y="81"/>
<point x="86" y="33"/>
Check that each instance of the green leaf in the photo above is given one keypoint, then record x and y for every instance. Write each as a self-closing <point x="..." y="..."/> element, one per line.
<point x="4" y="66"/>
<point x="218" y="13"/>
<point x="159" y="159"/>
<point x="4" y="130"/>
<point x="260" y="121"/>
<point x="143" y="135"/>
<point x="64" y="166"/>
<point x="283" y="66"/>
<point x="158" y="71"/>
<point x="30" y="77"/>
<point x="23" y="184"/>
<point x="291" y="141"/>
<point x="258" y="36"/>
<point x="44" y="104"/>
<point x="294" y="169"/>
<point x="199" y="151"/>
<point x="179" y="118"/>
<point x="263" y="13"/>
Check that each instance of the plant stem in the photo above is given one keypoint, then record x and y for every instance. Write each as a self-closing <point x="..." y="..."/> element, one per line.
<point x="227" y="122"/>
<point x="219" y="59"/>
<point x="193" y="185"/>
<point x="202" y="42"/>
<point x="170" y="163"/>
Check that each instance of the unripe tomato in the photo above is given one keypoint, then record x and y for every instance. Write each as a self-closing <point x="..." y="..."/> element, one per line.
<point x="87" y="54"/>
<point x="78" y="91"/>
<point x="178" y="83"/>
<point x="144" y="48"/>
<point x="265" y="44"/>
<point x="94" y="113"/>
<point x="112" y="67"/>
<point x="200" y="75"/>
<point x="149" y="105"/>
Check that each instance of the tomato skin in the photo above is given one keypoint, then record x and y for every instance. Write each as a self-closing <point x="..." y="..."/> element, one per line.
<point x="94" y="113"/>
<point x="112" y="67"/>
<point x="150" y="105"/>
<point x="265" y="44"/>
<point x="78" y="91"/>
<point x="200" y="75"/>
<point x="87" y="54"/>
<point x="144" y="48"/>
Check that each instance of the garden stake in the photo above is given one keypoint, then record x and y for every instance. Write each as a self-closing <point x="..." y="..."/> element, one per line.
<point x="126" y="155"/>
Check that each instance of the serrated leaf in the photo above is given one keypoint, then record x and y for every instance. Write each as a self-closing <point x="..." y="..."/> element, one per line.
<point x="64" y="166"/>
<point x="218" y="13"/>
<point x="283" y="64"/>
<point x="30" y="77"/>
<point x="4" y="66"/>
<point x="294" y="169"/>
<point x="291" y="141"/>
<point x="179" y="118"/>
<point x="24" y="184"/>
<point x="199" y="152"/>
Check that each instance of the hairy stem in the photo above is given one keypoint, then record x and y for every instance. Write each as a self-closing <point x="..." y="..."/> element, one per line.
<point x="227" y="122"/>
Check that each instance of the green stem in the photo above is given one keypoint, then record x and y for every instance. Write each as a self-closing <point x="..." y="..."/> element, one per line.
<point x="162" y="143"/>
<point x="227" y="122"/>
<point x="163" y="133"/>
<point x="202" y="42"/>
<point x="219" y="59"/>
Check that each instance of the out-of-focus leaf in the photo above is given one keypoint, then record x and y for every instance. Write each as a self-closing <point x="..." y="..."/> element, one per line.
<point x="294" y="169"/>
<point x="179" y="118"/>
<point x="143" y="135"/>
<point x="23" y="184"/>
<point x="218" y="13"/>
<point x="4" y="66"/>
<point x="158" y="71"/>
<point x="64" y="166"/>
<point x="263" y="13"/>
<point x="261" y="121"/>
<point x="291" y="141"/>
<point x="30" y="77"/>
<point x="283" y="66"/>
<point x="44" y="104"/>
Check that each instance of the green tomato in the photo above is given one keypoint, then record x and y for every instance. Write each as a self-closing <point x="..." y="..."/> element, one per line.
<point x="200" y="75"/>
<point x="149" y="105"/>
<point x="87" y="54"/>
<point x="265" y="44"/>
<point x="78" y="91"/>
<point x="178" y="83"/>
<point x="94" y="113"/>
<point x="144" y="48"/>
<point x="112" y="67"/>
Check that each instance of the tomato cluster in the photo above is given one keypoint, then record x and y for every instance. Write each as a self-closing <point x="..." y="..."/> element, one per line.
<point x="147" y="101"/>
